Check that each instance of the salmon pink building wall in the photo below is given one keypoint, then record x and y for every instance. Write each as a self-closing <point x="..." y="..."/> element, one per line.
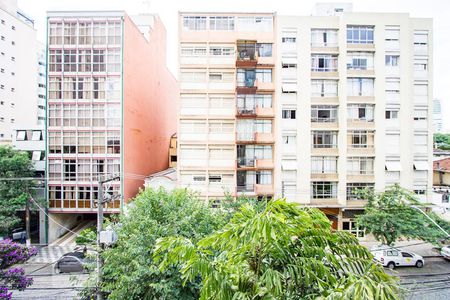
<point x="150" y="99"/>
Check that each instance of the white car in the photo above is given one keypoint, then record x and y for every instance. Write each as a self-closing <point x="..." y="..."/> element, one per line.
<point x="392" y="258"/>
<point x="445" y="252"/>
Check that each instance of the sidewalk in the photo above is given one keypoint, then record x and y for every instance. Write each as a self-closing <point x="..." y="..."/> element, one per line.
<point x="50" y="254"/>
<point x="417" y="246"/>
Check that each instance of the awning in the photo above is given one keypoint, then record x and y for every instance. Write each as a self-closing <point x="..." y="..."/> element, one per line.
<point x="289" y="165"/>
<point x="289" y="60"/>
<point x="421" y="165"/>
<point x="289" y="87"/>
<point x="393" y="166"/>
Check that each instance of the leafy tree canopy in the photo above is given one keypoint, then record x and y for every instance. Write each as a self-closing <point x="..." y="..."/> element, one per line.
<point x="391" y="214"/>
<point x="280" y="252"/>
<point x="13" y="193"/>
<point x="129" y="269"/>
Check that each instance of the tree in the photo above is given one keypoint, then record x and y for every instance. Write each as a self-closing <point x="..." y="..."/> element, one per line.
<point x="13" y="193"/>
<point x="442" y="141"/>
<point x="390" y="215"/>
<point x="281" y="252"/>
<point x="129" y="270"/>
<point x="12" y="253"/>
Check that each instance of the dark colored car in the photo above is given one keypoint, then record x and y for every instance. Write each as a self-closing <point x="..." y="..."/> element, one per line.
<point x="72" y="262"/>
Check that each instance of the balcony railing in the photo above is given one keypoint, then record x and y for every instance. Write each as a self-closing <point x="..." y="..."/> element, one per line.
<point x="323" y="120"/>
<point x="246" y="110"/>
<point x="245" y="188"/>
<point x="247" y="82"/>
<point x="246" y="162"/>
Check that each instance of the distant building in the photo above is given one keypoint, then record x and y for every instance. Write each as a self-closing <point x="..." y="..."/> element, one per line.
<point x="437" y="116"/>
<point x="19" y="99"/>
<point x="32" y="140"/>
<point x="441" y="171"/>
<point x="166" y="179"/>
<point x="110" y="109"/>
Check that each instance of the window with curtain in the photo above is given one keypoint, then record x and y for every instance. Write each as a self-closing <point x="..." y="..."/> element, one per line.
<point x="360" y="87"/>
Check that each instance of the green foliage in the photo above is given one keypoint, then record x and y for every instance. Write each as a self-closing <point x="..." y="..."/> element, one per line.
<point x="13" y="193"/>
<point x="130" y="272"/>
<point x="389" y="215"/>
<point x="87" y="236"/>
<point x="280" y="252"/>
<point x="442" y="141"/>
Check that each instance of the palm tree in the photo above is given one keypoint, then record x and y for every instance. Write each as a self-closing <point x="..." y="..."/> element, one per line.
<point x="280" y="252"/>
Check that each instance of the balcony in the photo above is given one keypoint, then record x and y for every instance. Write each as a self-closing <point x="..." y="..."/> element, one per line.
<point x="264" y="163"/>
<point x="264" y="189"/>
<point x="255" y="137"/>
<point x="246" y="86"/>
<point x="246" y="54"/>
<point x="360" y="124"/>
<point x="244" y="162"/>
<point x="246" y="112"/>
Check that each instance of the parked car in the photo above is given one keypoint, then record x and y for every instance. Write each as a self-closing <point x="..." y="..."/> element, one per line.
<point x="72" y="262"/>
<point x="392" y="258"/>
<point x="445" y="252"/>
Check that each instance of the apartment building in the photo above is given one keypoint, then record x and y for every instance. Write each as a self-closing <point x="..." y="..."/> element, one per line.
<point x="227" y="99"/>
<point x="110" y="109"/>
<point x="19" y="98"/>
<point x="358" y="87"/>
<point x="311" y="108"/>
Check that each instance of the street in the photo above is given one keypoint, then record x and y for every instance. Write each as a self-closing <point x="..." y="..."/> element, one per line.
<point x="48" y="285"/>
<point x="432" y="282"/>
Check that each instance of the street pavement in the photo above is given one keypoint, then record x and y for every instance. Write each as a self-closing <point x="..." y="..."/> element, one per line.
<point x="48" y="285"/>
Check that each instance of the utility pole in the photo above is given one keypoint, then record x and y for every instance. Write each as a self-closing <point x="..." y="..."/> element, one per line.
<point x="27" y="221"/>
<point x="99" y="230"/>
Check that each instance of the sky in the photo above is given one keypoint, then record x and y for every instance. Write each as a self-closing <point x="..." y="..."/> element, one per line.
<point x="168" y="10"/>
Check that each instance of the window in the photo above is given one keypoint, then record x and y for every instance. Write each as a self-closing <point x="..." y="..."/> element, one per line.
<point x="288" y="113"/>
<point x="69" y="169"/>
<point x="214" y="51"/>
<point x="194" y="23"/>
<point x="99" y="33"/>
<point x="324" y="139"/>
<point x="264" y="75"/>
<point x="54" y="141"/>
<point x="360" y="112"/>
<point x="392" y="85"/>
<point x="98" y="59"/>
<point x="420" y="192"/>
<point x="37" y="155"/>
<point x="21" y="135"/>
<point x="114" y="33"/>
<point x="360" y="86"/>
<point x="289" y="139"/>
<point x="324" y="113"/>
<point x="289" y="87"/>
<point x="324" y="37"/>
<point x="324" y="88"/>
<point x="264" y="49"/>
<point x="288" y="40"/>
<point x="37" y="135"/>
<point x="84" y="33"/>
<point x="392" y="60"/>
<point x="360" y="61"/>
<point x="70" y="33"/>
<point x="323" y="190"/>
<point x="221" y="23"/>
<point x="255" y="23"/>
<point x="70" y="60"/>
<point x="392" y="37"/>
<point x="193" y="51"/>
<point x="353" y="228"/>
<point x="391" y="114"/>
<point x="360" y="34"/>
<point x="323" y="165"/>
<point x="360" y="165"/>
<point x="55" y="60"/>
<point x="324" y="63"/>
<point x="355" y="188"/>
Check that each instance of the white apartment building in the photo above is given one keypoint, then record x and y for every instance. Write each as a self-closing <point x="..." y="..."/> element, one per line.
<point x="358" y="87"/>
<point x="18" y="77"/>
<point x="311" y="108"/>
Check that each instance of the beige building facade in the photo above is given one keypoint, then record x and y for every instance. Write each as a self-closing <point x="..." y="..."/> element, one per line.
<point x="310" y="108"/>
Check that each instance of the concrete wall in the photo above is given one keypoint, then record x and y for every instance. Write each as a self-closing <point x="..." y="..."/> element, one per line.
<point x="150" y="104"/>
<point x="437" y="178"/>
<point x="67" y="220"/>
